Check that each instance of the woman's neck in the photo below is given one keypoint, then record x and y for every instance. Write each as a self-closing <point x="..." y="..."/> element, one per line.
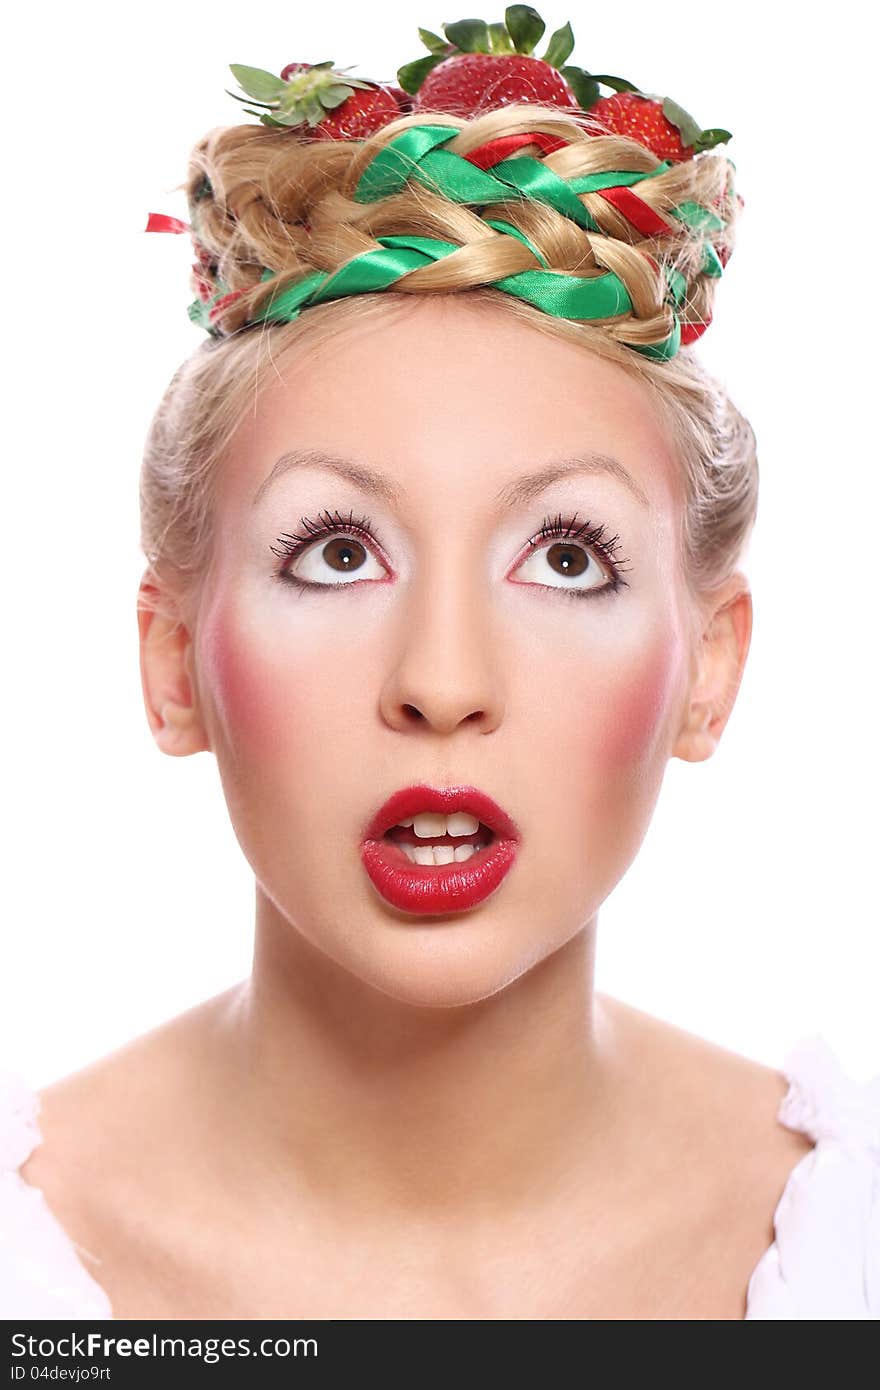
<point x="373" y="1102"/>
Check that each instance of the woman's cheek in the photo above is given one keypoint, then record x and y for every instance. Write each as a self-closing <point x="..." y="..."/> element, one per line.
<point x="253" y="689"/>
<point x="638" y="708"/>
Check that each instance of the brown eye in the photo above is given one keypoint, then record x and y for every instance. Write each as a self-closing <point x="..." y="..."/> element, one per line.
<point x="325" y="563"/>
<point x="575" y="553"/>
<point x="569" y="566"/>
<point x="569" y="560"/>
<point x="322" y="561"/>
<point x="343" y="555"/>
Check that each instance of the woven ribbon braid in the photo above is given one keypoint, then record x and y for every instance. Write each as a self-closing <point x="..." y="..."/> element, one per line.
<point x="418" y="154"/>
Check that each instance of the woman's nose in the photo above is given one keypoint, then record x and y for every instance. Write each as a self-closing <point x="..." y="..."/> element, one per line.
<point x="445" y="670"/>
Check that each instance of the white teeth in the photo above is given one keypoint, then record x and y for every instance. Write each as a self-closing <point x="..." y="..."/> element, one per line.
<point x="427" y="824"/>
<point x="461" y="823"/>
<point x="438" y="854"/>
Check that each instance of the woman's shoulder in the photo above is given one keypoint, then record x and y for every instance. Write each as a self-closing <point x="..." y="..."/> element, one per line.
<point x="824" y="1262"/>
<point x="43" y="1273"/>
<point x="799" y="1142"/>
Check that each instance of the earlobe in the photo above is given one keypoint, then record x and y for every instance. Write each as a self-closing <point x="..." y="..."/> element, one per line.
<point x="167" y="678"/>
<point x="722" y="659"/>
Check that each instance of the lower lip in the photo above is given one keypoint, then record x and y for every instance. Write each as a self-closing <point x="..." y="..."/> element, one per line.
<point x="435" y="889"/>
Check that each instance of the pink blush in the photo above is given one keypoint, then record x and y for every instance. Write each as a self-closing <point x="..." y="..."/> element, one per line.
<point x="638" y="707"/>
<point x="244" y="684"/>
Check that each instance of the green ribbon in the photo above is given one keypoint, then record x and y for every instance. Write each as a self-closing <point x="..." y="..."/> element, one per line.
<point x="695" y="215"/>
<point x="415" y="155"/>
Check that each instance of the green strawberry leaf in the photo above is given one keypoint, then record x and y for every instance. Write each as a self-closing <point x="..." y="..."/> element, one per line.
<point x="525" y="26"/>
<point x="470" y="35"/>
<point x="411" y="76"/>
<point x="358" y="82"/>
<point x="708" y="139"/>
<point x="560" y="46"/>
<point x="618" y="84"/>
<point x="262" y="85"/>
<point x="270" y="105"/>
<point x="688" y="127"/>
<point x="499" y="39"/>
<point x="331" y="97"/>
<point x="585" y="87"/>
<point x="314" y="110"/>
<point x="433" y="42"/>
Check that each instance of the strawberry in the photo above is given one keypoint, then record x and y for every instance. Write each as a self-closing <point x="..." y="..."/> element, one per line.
<point x="657" y="123"/>
<point x="473" y="82"/>
<point x="480" y="66"/>
<point x="320" y="99"/>
<point x="476" y="67"/>
<point x="403" y="99"/>
<point x="360" y="115"/>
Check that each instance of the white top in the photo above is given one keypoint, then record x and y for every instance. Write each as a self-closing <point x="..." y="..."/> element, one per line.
<point x="824" y="1262"/>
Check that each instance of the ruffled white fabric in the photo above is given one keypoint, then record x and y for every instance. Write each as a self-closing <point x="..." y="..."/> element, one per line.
<point x="824" y="1262"/>
<point x="42" y="1274"/>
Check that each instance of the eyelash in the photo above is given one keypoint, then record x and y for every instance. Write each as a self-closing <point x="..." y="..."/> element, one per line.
<point x="327" y="524"/>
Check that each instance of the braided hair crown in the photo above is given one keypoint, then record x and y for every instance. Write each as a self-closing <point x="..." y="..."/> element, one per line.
<point x="580" y="223"/>
<point x="487" y="167"/>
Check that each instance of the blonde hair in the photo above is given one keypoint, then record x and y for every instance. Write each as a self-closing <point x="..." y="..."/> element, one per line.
<point x="266" y="197"/>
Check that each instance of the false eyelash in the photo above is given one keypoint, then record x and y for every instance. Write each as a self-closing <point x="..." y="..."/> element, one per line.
<point x="593" y="536"/>
<point x="293" y="545"/>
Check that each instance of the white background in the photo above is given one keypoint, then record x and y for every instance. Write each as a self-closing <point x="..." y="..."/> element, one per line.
<point x="749" y="916"/>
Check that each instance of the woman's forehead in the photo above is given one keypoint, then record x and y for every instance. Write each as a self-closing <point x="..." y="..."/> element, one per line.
<point x="449" y="393"/>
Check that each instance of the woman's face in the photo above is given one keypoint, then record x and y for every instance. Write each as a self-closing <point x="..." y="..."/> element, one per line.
<point x="448" y="650"/>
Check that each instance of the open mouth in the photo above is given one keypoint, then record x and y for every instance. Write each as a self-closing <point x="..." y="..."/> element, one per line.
<point x="434" y="875"/>
<point x="439" y="849"/>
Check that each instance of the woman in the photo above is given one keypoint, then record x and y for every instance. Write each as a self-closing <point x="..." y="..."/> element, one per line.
<point x="417" y="1105"/>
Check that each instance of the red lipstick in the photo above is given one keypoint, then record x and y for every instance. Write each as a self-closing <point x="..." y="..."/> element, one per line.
<point x="437" y="889"/>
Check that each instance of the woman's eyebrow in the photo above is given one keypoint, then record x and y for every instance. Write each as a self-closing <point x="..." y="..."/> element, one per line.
<point x="521" y="489"/>
<point x="531" y="484"/>
<point x="353" y="470"/>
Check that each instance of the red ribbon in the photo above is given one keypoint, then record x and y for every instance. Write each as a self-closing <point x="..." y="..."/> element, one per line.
<point x="224" y="300"/>
<point x="161" y="222"/>
<point x="496" y="150"/>
<point x="690" y="332"/>
<point x="642" y="217"/>
<point x="637" y="212"/>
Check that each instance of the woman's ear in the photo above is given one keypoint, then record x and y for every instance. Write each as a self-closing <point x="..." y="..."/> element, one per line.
<point x="169" y="686"/>
<point x="719" y="669"/>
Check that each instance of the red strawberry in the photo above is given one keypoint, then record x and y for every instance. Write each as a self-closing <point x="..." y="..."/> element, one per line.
<point x="468" y="83"/>
<point x="322" y="100"/>
<point x="479" y="66"/>
<point x="360" y="115"/>
<point x="287" y="73"/>
<point x="642" y="119"/>
<point x="657" y="123"/>
<point x="403" y="99"/>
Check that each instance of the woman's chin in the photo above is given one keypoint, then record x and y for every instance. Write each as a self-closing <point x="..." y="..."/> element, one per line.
<point x="439" y="963"/>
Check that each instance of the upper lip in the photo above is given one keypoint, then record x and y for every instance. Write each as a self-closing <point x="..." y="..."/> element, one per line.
<point x="409" y="801"/>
